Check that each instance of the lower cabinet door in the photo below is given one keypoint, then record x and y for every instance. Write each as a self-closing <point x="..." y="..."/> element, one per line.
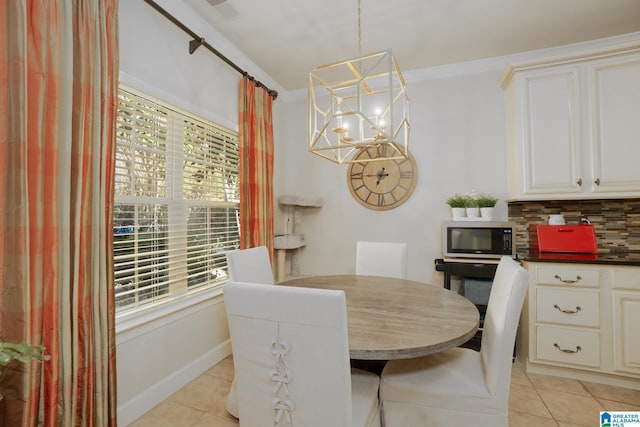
<point x="626" y="337"/>
<point x="571" y="346"/>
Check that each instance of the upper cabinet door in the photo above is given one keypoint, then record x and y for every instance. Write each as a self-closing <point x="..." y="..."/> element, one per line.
<point x="550" y="117"/>
<point x="615" y="124"/>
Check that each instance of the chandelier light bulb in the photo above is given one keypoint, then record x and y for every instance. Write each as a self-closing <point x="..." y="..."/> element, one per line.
<point x="346" y="138"/>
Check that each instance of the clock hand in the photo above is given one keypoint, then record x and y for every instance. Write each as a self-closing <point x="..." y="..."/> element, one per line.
<point x="381" y="175"/>
<point x="377" y="175"/>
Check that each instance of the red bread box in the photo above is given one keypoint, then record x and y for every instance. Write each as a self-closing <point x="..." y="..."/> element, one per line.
<point x="563" y="238"/>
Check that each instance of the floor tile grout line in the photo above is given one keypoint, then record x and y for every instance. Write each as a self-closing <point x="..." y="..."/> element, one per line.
<point x="534" y="415"/>
<point x="194" y="407"/>
<point x="591" y="393"/>
<point x="564" y="391"/>
<point x="599" y="398"/>
<point x="541" y="399"/>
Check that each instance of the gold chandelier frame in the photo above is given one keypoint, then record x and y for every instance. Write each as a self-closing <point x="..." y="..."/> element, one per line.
<point x="358" y="103"/>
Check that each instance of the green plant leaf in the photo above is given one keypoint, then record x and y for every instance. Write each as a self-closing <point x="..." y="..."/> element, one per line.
<point x="22" y="352"/>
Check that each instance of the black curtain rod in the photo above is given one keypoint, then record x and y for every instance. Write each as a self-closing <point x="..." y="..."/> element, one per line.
<point x="199" y="41"/>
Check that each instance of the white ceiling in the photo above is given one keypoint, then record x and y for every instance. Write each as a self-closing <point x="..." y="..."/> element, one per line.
<point x="288" y="38"/>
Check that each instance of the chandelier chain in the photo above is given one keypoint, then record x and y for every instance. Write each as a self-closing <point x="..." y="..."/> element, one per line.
<point x="359" y="31"/>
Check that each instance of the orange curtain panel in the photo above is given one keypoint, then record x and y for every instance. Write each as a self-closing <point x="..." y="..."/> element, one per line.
<point x="255" y="137"/>
<point x="58" y="78"/>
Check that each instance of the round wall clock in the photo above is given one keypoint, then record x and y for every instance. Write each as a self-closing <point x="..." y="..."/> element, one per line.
<point x="382" y="184"/>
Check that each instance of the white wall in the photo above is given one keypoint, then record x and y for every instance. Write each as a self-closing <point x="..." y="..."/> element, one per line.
<point x="458" y="141"/>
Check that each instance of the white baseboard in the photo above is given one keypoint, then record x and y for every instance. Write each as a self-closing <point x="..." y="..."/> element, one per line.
<point x="134" y="408"/>
<point x="582" y="375"/>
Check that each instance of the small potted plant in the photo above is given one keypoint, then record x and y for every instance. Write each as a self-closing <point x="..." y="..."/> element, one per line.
<point x="457" y="203"/>
<point x="487" y="203"/>
<point x="471" y="206"/>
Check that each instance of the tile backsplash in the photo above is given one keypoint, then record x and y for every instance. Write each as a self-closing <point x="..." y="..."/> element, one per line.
<point x="616" y="221"/>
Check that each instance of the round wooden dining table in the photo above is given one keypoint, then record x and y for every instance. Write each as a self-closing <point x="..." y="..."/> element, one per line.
<point x="396" y="318"/>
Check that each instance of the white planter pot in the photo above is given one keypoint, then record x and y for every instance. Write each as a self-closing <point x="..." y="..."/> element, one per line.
<point x="487" y="213"/>
<point x="473" y="212"/>
<point x="457" y="213"/>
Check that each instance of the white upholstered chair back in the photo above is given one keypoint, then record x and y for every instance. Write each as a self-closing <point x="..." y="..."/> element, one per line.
<point x="460" y="386"/>
<point x="381" y="259"/>
<point x="250" y="265"/>
<point x="501" y="323"/>
<point x="291" y="355"/>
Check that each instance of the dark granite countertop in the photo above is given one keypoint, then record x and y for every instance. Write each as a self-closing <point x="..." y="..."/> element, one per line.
<point x="617" y="258"/>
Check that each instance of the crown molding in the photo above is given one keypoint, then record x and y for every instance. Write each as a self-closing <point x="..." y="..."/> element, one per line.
<point x="535" y="58"/>
<point x="580" y="52"/>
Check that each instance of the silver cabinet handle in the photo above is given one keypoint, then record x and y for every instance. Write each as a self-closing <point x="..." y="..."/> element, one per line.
<point x="578" y="308"/>
<point x="578" y="278"/>
<point x="564" y="350"/>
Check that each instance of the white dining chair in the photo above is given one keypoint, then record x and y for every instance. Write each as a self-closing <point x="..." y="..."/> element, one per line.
<point x="291" y="358"/>
<point x="250" y="265"/>
<point x="461" y="386"/>
<point x="385" y="259"/>
<point x="253" y="266"/>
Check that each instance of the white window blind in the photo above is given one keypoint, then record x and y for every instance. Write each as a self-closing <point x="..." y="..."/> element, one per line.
<point x="176" y="201"/>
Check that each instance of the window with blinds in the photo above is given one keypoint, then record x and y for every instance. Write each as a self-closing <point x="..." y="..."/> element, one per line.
<point x="176" y="201"/>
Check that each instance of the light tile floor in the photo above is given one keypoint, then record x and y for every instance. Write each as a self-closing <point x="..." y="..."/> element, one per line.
<point x="535" y="400"/>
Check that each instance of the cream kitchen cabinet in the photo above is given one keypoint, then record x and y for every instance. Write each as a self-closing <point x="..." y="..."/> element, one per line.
<point x="580" y="321"/>
<point x="572" y="126"/>
<point x="626" y="320"/>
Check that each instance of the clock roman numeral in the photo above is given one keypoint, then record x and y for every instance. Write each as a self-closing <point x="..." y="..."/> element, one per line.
<point x="356" y="175"/>
<point x="406" y="175"/>
<point x="366" y="199"/>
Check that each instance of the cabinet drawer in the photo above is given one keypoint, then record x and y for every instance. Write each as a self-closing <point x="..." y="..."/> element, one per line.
<point x="568" y="276"/>
<point x="568" y="345"/>
<point x="568" y="306"/>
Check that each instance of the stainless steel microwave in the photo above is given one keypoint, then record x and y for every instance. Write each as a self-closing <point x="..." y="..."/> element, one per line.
<point x="478" y="239"/>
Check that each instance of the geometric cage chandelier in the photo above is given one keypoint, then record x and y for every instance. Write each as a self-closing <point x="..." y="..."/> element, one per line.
<point x="356" y="104"/>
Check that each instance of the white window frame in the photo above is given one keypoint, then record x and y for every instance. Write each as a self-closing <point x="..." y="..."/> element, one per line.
<point x="212" y="159"/>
